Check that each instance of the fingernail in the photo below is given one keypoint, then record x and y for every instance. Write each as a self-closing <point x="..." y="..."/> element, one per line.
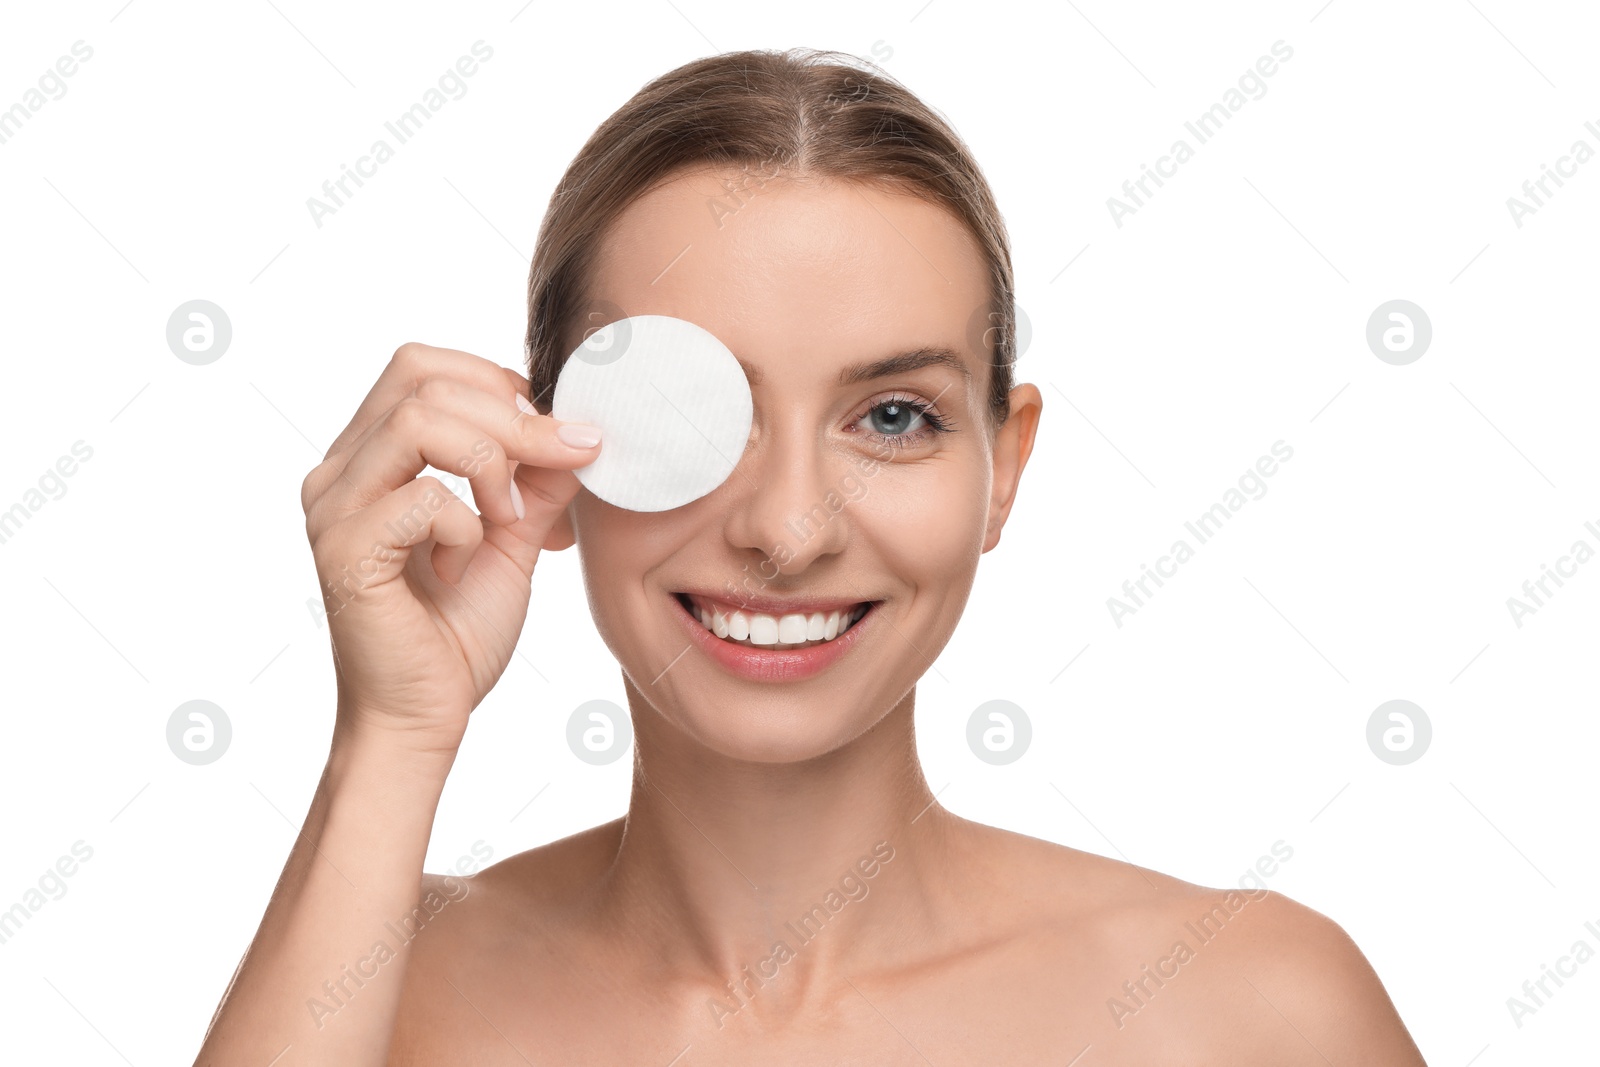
<point x="579" y="434"/>
<point x="525" y="407"/>
<point x="516" y="502"/>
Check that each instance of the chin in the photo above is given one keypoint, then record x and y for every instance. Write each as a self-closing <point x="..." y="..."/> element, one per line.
<point x="776" y="731"/>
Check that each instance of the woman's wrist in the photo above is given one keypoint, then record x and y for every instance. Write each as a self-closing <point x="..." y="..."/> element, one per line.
<point x="364" y="756"/>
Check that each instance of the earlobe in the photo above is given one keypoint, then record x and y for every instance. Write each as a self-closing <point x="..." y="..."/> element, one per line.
<point x="1012" y="445"/>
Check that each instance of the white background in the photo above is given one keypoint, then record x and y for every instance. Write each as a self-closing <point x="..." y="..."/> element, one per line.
<point x="1228" y="313"/>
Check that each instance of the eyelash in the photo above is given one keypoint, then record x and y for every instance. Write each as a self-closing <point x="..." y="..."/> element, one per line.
<point x="935" y="423"/>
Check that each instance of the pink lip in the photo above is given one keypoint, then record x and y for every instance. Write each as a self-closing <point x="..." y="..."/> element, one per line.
<point x="765" y="665"/>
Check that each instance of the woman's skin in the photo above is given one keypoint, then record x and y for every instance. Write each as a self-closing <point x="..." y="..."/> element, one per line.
<point x="933" y="939"/>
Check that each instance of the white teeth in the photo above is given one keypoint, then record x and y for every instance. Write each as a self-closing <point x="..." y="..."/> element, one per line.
<point x="777" y="631"/>
<point x="763" y="630"/>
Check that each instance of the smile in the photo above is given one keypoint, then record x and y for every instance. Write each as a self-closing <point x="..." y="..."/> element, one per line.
<point x="757" y="653"/>
<point x="776" y="632"/>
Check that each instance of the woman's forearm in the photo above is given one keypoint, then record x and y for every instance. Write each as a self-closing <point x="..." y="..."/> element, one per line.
<point x="321" y="981"/>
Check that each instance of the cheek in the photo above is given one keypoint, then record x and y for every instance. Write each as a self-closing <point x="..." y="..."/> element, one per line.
<point x="620" y="552"/>
<point x="618" y="540"/>
<point x="928" y="519"/>
<point x="607" y="549"/>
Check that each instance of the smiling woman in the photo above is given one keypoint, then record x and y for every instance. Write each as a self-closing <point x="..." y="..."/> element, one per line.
<point x="771" y="678"/>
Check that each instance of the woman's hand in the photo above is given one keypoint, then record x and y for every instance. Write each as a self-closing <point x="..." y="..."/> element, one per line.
<point x="425" y="600"/>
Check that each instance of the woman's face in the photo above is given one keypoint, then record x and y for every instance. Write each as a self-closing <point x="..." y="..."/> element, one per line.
<point x="839" y="496"/>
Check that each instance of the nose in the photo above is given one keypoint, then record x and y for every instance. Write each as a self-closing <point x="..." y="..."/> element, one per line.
<point x="789" y="498"/>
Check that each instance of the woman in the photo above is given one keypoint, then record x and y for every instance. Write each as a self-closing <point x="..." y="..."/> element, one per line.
<point x="784" y="887"/>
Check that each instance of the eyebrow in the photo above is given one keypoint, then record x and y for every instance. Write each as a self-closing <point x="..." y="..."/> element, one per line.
<point x="902" y="363"/>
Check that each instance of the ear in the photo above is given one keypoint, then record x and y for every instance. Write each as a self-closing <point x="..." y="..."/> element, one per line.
<point x="561" y="536"/>
<point x="1013" y="444"/>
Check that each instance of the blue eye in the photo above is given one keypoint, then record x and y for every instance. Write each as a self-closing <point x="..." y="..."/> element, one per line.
<point x="902" y="421"/>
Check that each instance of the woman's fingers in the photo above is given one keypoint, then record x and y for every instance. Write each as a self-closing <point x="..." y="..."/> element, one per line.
<point x="452" y="426"/>
<point x="413" y="436"/>
<point x="411" y="365"/>
<point x="519" y="384"/>
<point x="546" y="494"/>
<point x="367" y="548"/>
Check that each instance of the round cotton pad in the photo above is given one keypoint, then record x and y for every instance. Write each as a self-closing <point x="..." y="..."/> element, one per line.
<point x="673" y="406"/>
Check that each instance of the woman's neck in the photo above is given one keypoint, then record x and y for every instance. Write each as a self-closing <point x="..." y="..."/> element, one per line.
<point x="776" y="867"/>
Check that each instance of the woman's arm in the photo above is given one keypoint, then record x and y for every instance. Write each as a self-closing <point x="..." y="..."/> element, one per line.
<point x="425" y="600"/>
<point x="321" y="981"/>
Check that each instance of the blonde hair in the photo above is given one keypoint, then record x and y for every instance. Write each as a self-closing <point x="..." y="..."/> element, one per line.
<point x="818" y="112"/>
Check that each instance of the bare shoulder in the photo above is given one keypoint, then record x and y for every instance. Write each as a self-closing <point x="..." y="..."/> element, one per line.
<point x="523" y="892"/>
<point x="474" y="935"/>
<point x="1305" y="969"/>
<point x="544" y="877"/>
<point x="1066" y="888"/>
<point x="1174" y="969"/>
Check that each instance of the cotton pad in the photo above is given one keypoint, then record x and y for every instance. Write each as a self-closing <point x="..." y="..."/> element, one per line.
<point x="673" y="406"/>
